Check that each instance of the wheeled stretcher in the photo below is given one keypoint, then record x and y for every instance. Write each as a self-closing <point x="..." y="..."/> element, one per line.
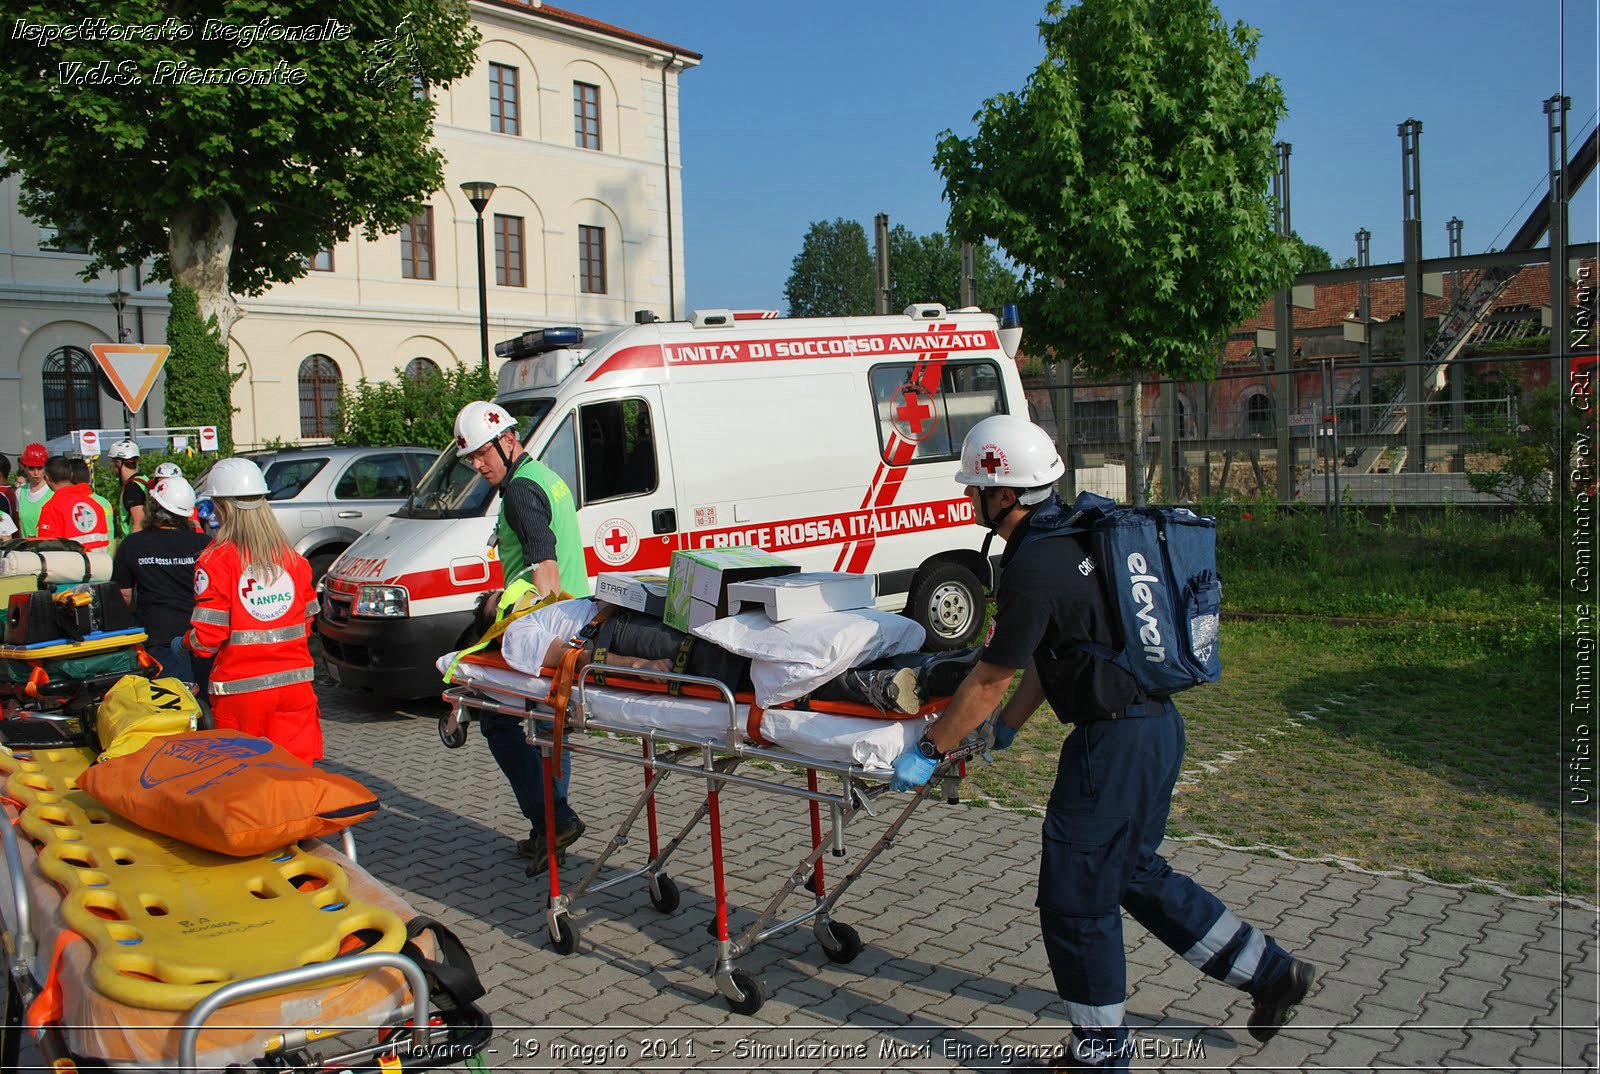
<point x="845" y="762"/>
<point x="130" y="950"/>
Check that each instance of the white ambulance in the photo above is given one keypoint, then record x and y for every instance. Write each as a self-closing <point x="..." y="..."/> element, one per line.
<point x="831" y="441"/>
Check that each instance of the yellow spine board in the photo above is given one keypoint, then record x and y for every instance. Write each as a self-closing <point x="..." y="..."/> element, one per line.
<point x="73" y="648"/>
<point x="171" y="923"/>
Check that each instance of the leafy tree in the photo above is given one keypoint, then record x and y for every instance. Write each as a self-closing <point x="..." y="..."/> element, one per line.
<point x="410" y="410"/>
<point x="199" y="386"/>
<point x="1541" y="451"/>
<point x="1128" y="179"/>
<point x="833" y="274"/>
<point x="1309" y="256"/>
<point x="927" y="268"/>
<point x="216" y="144"/>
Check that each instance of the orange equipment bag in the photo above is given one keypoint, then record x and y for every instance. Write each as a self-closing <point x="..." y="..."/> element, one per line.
<point x="226" y="792"/>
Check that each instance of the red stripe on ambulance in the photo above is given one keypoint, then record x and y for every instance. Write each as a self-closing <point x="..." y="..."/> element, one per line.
<point x="942" y="338"/>
<point x="861" y="526"/>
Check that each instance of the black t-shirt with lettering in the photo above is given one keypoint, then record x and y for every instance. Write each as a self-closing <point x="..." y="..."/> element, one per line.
<point x="158" y="565"/>
<point x="1050" y="597"/>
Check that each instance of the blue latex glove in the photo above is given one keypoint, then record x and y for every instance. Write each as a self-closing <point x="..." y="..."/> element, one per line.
<point x="1004" y="734"/>
<point x="911" y="770"/>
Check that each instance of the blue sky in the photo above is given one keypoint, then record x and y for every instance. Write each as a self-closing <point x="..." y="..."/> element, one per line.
<point x="809" y="111"/>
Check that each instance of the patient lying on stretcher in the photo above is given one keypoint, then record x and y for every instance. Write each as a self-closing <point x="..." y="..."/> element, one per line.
<point x="899" y="685"/>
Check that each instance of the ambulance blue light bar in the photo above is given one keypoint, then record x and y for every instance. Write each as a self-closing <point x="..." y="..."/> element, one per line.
<point x="539" y="341"/>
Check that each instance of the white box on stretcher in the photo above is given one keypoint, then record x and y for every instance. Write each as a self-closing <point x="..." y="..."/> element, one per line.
<point x="811" y="593"/>
<point x="643" y="591"/>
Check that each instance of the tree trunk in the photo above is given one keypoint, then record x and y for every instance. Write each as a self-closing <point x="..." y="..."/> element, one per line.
<point x="1136" y="464"/>
<point x="200" y="246"/>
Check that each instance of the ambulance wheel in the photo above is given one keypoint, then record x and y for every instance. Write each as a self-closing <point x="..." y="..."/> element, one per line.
<point x="565" y="939"/>
<point x="849" y="941"/>
<point x="453" y="740"/>
<point x="755" y="993"/>
<point x="947" y="599"/>
<point x="664" y="894"/>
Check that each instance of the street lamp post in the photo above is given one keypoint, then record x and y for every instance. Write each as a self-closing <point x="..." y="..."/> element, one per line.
<point x="478" y="194"/>
<point x="119" y="302"/>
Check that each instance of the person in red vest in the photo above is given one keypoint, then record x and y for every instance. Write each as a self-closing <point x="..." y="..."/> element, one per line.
<point x="253" y="608"/>
<point x="71" y="512"/>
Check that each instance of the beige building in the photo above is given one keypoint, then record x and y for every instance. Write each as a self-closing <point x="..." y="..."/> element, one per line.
<point x="575" y="121"/>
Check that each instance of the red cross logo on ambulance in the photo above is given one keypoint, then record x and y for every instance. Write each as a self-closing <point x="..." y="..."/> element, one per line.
<point x="83" y="518"/>
<point x="266" y="600"/>
<point x="915" y="417"/>
<point x="615" y="541"/>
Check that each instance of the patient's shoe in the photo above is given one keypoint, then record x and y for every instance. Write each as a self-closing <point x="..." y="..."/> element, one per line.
<point x="885" y="689"/>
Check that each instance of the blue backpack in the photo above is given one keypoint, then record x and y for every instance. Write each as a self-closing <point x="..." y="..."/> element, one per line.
<point x="1161" y="565"/>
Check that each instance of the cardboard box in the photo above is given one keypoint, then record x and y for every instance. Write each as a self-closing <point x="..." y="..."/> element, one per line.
<point x="810" y="593"/>
<point x="643" y="591"/>
<point x="704" y="575"/>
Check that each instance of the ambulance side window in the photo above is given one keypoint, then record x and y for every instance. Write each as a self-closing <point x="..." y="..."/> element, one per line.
<point x="617" y="449"/>
<point x="561" y="455"/>
<point x="933" y="420"/>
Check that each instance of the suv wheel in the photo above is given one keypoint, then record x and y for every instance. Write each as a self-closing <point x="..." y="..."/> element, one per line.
<point x="321" y="562"/>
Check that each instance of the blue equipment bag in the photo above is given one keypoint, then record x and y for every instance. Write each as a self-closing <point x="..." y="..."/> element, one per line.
<point x="1161" y="565"/>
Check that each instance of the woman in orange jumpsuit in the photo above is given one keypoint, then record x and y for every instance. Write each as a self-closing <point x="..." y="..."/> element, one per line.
<point x="253" y="607"/>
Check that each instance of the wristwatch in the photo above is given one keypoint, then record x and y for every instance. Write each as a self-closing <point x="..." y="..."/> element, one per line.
<point x="929" y="750"/>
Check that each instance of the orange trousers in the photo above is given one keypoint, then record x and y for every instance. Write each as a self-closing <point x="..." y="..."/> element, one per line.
<point x="287" y="716"/>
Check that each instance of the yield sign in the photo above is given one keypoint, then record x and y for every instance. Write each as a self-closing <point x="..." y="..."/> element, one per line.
<point x="131" y="368"/>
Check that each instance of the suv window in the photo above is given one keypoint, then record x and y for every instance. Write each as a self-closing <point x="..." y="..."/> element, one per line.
<point x="934" y="418"/>
<point x="287" y="478"/>
<point x="375" y="477"/>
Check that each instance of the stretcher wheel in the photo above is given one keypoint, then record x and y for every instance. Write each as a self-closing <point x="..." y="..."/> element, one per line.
<point x="849" y="941"/>
<point x="565" y="940"/>
<point x="664" y="894"/>
<point x="754" y="989"/>
<point x="453" y="740"/>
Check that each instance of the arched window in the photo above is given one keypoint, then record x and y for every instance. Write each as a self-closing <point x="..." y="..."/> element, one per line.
<point x="418" y="368"/>
<point x="1258" y="415"/>
<point x="319" y="396"/>
<point x="71" y="392"/>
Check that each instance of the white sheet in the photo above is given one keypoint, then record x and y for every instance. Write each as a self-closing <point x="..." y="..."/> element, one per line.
<point x="872" y="744"/>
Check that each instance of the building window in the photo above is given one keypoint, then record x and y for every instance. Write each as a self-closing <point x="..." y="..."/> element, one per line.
<point x="586" y="115"/>
<point x="71" y="392"/>
<point x="319" y="396"/>
<point x="62" y="240"/>
<point x="508" y="250"/>
<point x="416" y="246"/>
<point x="322" y="261"/>
<point x="503" y="99"/>
<point x="592" y="259"/>
<point x="1258" y="415"/>
<point x="419" y="368"/>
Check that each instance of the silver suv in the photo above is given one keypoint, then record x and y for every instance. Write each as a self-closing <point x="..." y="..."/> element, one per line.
<point x="326" y="497"/>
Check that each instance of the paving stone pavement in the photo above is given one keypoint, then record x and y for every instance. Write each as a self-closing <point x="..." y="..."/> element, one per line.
<point x="1410" y="975"/>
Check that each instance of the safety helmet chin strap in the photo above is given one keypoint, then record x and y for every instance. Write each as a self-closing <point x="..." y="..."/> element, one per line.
<point x="500" y="449"/>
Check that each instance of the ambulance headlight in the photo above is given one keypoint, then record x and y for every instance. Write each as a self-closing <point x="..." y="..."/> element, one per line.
<point x="382" y="602"/>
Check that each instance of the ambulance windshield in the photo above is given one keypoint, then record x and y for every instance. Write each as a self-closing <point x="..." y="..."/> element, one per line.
<point x="451" y="488"/>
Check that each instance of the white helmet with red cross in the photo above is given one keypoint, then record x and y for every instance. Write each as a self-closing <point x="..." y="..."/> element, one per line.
<point x="1006" y="451"/>
<point x="480" y="422"/>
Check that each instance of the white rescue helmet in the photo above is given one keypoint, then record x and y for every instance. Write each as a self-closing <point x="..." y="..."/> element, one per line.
<point x="233" y="478"/>
<point x="175" y="494"/>
<point x="167" y="469"/>
<point x="124" y="449"/>
<point x="1005" y="451"/>
<point x="480" y="422"/>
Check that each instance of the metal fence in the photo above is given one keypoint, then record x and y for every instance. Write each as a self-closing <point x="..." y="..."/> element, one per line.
<point x="1347" y="432"/>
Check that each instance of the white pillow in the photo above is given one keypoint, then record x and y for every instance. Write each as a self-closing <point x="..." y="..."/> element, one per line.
<point x="792" y="658"/>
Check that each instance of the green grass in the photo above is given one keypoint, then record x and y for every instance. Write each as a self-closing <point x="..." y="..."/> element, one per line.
<point x="1390" y="696"/>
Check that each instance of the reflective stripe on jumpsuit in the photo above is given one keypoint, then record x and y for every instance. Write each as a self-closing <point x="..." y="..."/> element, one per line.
<point x="1102" y="829"/>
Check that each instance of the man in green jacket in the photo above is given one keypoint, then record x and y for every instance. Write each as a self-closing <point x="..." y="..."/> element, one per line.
<point x="537" y="536"/>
